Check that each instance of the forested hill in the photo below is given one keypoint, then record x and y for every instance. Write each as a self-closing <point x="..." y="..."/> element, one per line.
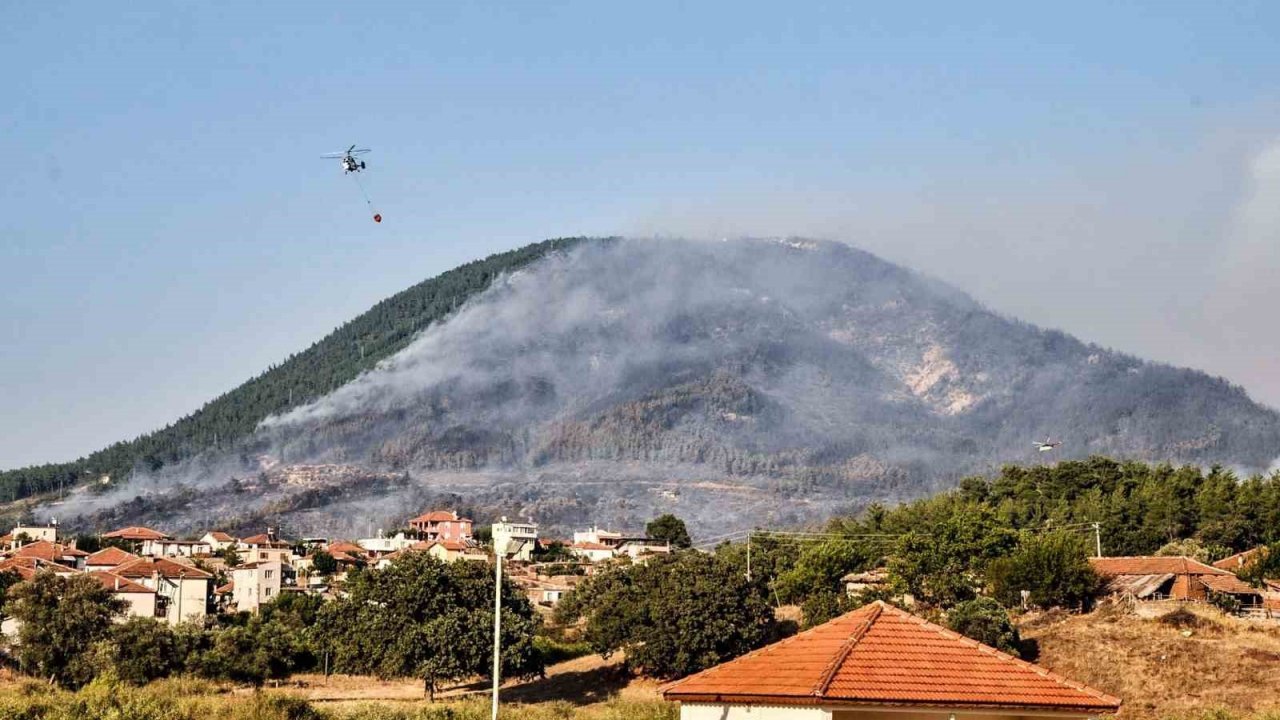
<point x="303" y="377"/>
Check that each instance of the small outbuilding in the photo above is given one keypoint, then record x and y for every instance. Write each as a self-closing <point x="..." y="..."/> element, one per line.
<point x="882" y="663"/>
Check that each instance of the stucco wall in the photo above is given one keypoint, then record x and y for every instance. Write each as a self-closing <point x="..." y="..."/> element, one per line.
<point x="750" y="712"/>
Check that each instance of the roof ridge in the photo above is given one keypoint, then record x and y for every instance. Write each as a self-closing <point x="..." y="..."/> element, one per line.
<point x="758" y="651"/>
<point x="828" y="674"/>
<point x="987" y="649"/>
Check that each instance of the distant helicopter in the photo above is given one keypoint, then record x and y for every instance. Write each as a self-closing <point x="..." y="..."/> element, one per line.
<point x="351" y="165"/>
<point x="1048" y="444"/>
<point x="348" y="158"/>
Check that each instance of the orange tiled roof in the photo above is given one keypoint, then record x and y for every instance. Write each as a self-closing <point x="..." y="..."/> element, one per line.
<point x="110" y="556"/>
<point x="46" y="550"/>
<point x="118" y="584"/>
<point x="588" y="545"/>
<point x="32" y="564"/>
<point x="1228" y="584"/>
<point x="1239" y="560"/>
<point x="1152" y="565"/>
<point x="880" y="655"/>
<point x="450" y="545"/>
<point x="438" y="516"/>
<point x="346" y="547"/>
<point x="145" y="567"/>
<point x="136" y="532"/>
<point x="219" y="536"/>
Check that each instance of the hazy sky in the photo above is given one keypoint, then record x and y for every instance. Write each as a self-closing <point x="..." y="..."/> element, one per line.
<point x="167" y="229"/>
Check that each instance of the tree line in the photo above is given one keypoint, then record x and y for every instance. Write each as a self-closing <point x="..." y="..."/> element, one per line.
<point x="355" y="347"/>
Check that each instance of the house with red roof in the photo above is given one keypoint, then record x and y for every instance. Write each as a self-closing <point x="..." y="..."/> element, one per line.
<point x="66" y="555"/>
<point x="1171" y="578"/>
<point x="108" y="558"/>
<point x="182" y="591"/>
<point x="882" y="663"/>
<point x="140" y="600"/>
<point x="218" y="540"/>
<point x="441" y="525"/>
<point x="135" y="533"/>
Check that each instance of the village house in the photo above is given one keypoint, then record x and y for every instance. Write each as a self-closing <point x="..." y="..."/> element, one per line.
<point x="1236" y="563"/>
<point x="638" y="548"/>
<point x="856" y="583"/>
<point x="218" y="540"/>
<point x="66" y="555"/>
<point x="441" y="525"/>
<point x="1171" y="578"/>
<point x="591" y="551"/>
<point x="182" y="591"/>
<point x="255" y="584"/>
<point x="108" y="558"/>
<point x="22" y="534"/>
<point x="516" y="539"/>
<point x="882" y="663"/>
<point x="27" y="567"/>
<point x="134" y="536"/>
<point x="596" y="536"/>
<point x="265" y="547"/>
<point x="175" y="548"/>
<point x="382" y="545"/>
<point x="453" y="550"/>
<point x="140" y="600"/>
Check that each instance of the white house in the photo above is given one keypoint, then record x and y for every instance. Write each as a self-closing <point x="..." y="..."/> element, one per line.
<point x="166" y="547"/>
<point x="591" y="551"/>
<point x="882" y="663"/>
<point x="382" y="545"/>
<point x="140" y="600"/>
<point x="218" y="540"/>
<point x="255" y="584"/>
<point x="182" y="591"/>
<point x="48" y="533"/>
<point x="515" y="539"/>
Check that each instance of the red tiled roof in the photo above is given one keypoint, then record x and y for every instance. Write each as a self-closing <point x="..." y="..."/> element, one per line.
<point x="1228" y="584"/>
<point x="225" y="589"/>
<point x="1152" y="565"/>
<point x="33" y="564"/>
<point x="585" y="545"/>
<point x="1239" y="560"/>
<point x="145" y="567"/>
<point x="438" y="516"/>
<point x="111" y="556"/>
<point x="136" y="532"/>
<point x="880" y="655"/>
<point x="46" y="550"/>
<point x="346" y="547"/>
<point x="118" y="584"/>
<point x="219" y="536"/>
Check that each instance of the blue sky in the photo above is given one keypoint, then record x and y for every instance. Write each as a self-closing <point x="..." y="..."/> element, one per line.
<point x="168" y="229"/>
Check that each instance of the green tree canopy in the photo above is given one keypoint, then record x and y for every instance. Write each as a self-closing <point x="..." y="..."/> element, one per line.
<point x="427" y="619"/>
<point x="984" y="620"/>
<point x="942" y="564"/>
<point x="61" y="618"/>
<point x="1053" y="568"/>
<point x="670" y="528"/>
<point x="673" y="615"/>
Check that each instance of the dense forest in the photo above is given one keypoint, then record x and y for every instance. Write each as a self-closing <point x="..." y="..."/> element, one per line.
<point x="349" y="350"/>
<point x="956" y="545"/>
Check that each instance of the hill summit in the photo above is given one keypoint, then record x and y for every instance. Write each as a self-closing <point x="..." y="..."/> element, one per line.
<point x="730" y="382"/>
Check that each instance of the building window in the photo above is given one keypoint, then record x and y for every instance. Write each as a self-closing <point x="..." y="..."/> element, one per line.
<point x="267" y="574"/>
<point x="268" y="593"/>
<point x="262" y="556"/>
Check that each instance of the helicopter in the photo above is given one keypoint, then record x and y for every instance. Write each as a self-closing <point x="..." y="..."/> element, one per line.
<point x="348" y="158"/>
<point x="1048" y="444"/>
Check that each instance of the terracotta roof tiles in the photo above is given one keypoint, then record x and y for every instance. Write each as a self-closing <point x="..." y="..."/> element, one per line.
<point x="110" y="556"/>
<point x="1152" y="565"/>
<point x="880" y="655"/>
<point x="136" y="532"/>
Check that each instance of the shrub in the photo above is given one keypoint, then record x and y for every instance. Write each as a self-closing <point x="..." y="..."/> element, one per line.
<point x="986" y="621"/>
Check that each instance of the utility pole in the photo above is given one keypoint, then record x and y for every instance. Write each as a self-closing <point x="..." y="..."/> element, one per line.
<point x="498" y="550"/>
<point x="1097" y="538"/>
<point x="748" y="556"/>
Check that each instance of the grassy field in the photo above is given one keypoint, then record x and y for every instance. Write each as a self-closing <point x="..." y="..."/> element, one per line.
<point x="1194" y="664"/>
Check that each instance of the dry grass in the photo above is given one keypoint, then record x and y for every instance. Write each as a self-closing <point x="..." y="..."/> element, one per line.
<point x="1195" y="663"/>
